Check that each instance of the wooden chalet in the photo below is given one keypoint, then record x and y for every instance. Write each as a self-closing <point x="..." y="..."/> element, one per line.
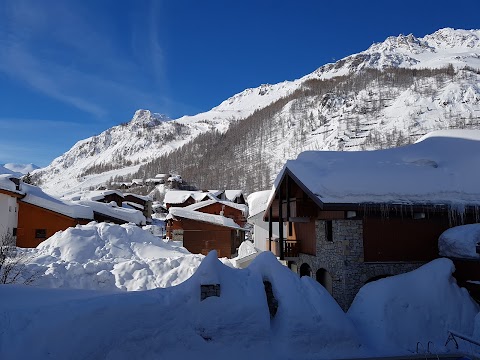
<point x="202" y="231"/>
<point x="37" y="223"/>
<point x="32" y="216"/>
<point x="347" y="218"/>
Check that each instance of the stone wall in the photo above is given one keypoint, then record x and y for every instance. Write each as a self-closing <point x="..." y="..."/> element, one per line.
<point x="343" y="259"/>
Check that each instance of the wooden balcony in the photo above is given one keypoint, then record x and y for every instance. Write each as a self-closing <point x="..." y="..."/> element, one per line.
<point x="290" y="247"/>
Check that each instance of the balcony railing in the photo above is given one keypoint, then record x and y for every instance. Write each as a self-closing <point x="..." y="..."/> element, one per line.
<point x="290" y="247"/>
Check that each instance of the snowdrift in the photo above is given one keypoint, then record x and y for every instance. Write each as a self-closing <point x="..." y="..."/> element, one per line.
<point x="395" y="313"/>
<point x="111" y="257"/>
<point x="174" y="323"/>
<point x="460" y="242"/>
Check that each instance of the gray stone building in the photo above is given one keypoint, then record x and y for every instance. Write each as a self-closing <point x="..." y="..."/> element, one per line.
<point x="347" y="218"/>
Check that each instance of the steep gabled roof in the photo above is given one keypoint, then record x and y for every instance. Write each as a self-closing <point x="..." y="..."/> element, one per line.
<point x="441" y="169"/>
<point x="233" y="194"/>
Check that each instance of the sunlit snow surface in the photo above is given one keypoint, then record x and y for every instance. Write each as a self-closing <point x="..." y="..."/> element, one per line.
<point x="443" y="168"/>
<point x="387" y="317"/>
<point x="111" y="257"/>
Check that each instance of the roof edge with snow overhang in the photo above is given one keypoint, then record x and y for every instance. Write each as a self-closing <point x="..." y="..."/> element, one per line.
<point x="219" y="220"/>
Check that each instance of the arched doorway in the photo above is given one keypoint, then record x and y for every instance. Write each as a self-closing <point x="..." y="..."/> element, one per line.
<point x="324" y="278"/>
<point x="305" y="270"/>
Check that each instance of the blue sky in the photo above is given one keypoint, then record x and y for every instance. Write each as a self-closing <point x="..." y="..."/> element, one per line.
<point x="71" y="69"/>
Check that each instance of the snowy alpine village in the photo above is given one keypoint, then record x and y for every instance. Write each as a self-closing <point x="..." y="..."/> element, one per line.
<point x="336" y="216"/>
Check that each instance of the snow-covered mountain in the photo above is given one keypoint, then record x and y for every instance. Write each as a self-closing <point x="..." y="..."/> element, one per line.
<point x="390" y="94"/>
<point x="18" y="169"/>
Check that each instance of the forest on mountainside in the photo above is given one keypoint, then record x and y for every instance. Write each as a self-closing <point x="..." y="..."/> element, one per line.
<point x="243" y="157"/>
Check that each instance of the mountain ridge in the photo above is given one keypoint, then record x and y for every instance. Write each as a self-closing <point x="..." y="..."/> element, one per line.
<point x="457" y="52"/>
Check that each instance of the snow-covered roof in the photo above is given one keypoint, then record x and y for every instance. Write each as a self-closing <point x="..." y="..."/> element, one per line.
<point x="202" y="204"/>
<point x="100" y="194"/>
<point x="216" y="193"/>
<point x="141" y="197"/>
<point x="443" y="168"/>
<point x="176" y="178"/>
<point x="94" y="195"/>
<point x="258" y="201"/>
<point x="233" y="194"/>
<point x="180" y="196"/>
<point x="113" y="211"/>
<point x="7" y="184"/>
<point x="177" y="196"/>
<point x="35" y="196"/>
<point x="203" y="217"/>
<point x="132" y="205"/>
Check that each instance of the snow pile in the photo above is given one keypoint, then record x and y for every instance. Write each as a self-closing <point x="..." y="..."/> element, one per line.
<point x="395" y="313"/>
<point x="388" y="316"/>
<point x="460" y="241"/>
<point x="246" y="248"/>
<point x="109" y="256"/>
<point x="175" y="323"/>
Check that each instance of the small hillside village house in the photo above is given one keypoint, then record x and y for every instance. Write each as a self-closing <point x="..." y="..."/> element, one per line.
<point x="31" y="215"/>
<point x="208" y="225"/>
<point x="182" y="198"/>
<point x="354" y="217"/>
<point x="115" y="199"/>
<point x="235" y="196"/>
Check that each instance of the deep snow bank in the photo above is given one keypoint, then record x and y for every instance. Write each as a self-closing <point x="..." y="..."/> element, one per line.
<point x="174" y="323"/>
<point x="395" y="313"/>
<point x="460" y="241"/>
<point x="109" y="257"/>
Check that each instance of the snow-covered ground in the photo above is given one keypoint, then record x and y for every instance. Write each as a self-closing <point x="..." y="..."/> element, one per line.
<point x="56" y="320"/>
<point x="110" y="257"/>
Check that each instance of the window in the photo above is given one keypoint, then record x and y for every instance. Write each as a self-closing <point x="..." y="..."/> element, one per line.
<point x="328" y="230"/>
<point x="40" y="233"/>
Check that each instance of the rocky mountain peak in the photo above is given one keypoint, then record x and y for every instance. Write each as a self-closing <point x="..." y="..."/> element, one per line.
<point x="145" y="118"/>
<point x="454" y="38"/>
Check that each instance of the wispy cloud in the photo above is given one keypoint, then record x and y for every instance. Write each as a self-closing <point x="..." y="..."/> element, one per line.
<point x="55" y="49"/>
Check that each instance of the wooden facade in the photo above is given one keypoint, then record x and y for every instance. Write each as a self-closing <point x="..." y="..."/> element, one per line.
<point x="201" y="237"/>
<point x="390" y="232"/>
<point x="36" y="224"/>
